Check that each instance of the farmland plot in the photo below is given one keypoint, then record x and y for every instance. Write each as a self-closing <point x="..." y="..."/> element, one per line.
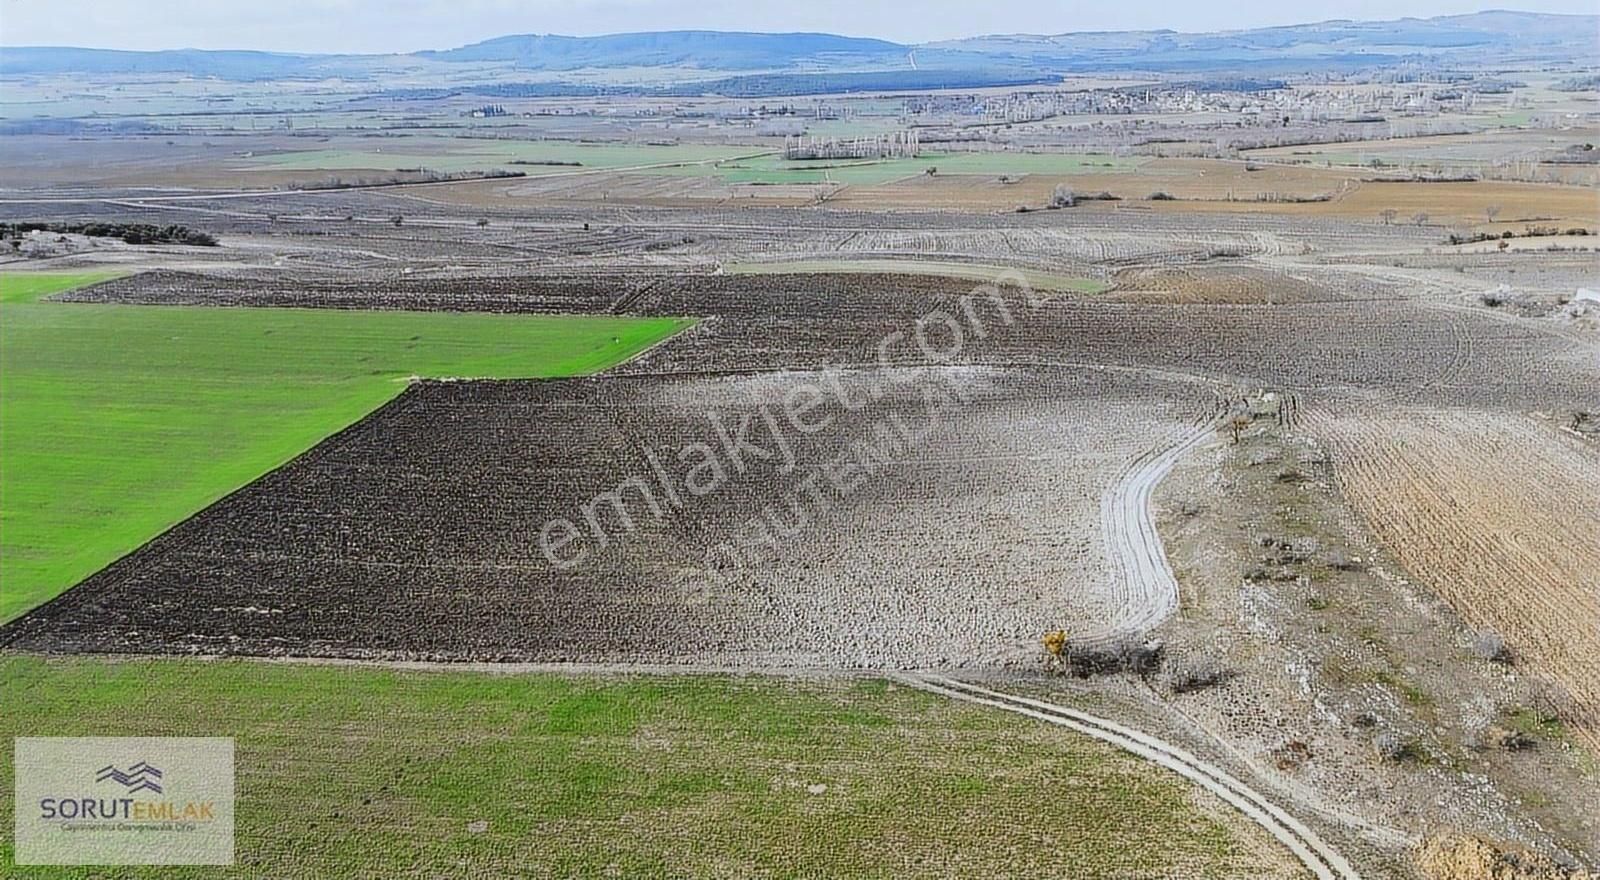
<point x="1239" y="284"/>
<point x="122" y="420"/>
<point x="1333" y="332"/>
<point x="954" y="538"/>
<point x="386" y="773"/>
<point x="1497" y="514"/>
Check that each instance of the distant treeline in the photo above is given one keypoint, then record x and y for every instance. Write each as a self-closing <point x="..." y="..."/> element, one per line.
<point x="1579" y="83"/>
<point x="765" y="85"/>
<point x="76" y="127"/>
<point x="401" y="177"/>
<point x="132" y="233"/>
<point x="779" y="85"/>
<point x="1219" y="84"/>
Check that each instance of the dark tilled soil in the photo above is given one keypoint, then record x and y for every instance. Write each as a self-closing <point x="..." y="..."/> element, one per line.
<point x="415" y="533"/>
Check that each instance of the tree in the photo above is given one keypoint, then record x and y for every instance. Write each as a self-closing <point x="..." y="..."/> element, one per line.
<point x="1491" y="211"/>
<point x="482" y="222"/>
<point x="397" y="219"/>
<point x="1055" y="645"/>
<point x="1063" y="197"/>
<point x="1420" y="218"/>
<point x="1388" y="215"/>
<point x="1237" y="424"/>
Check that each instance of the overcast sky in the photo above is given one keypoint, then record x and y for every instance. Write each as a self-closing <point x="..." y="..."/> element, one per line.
<point x="409" y="25"/>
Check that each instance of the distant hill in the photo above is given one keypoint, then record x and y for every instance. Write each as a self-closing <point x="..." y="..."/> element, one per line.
<point x="711" y="50"/>
<point x="1330" y="45"/>
<point x="226" y="63"/>
<point x="1477" y="37"/>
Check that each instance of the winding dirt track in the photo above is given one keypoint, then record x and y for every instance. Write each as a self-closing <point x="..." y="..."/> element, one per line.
<point x="1142" y="583"/>
<point x="1321" y="859"/>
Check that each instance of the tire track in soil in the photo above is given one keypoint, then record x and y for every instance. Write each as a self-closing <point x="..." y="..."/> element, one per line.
<point x="1318" y="856"/>
<point x="1143" y="585"/>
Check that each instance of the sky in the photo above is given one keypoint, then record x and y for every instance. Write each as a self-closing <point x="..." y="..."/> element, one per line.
<point x="408" y="25"/>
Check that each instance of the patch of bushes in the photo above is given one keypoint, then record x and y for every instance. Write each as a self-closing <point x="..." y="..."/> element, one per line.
<point x="1529" y="232"/>
<point x="1192" y="675"/>
<point x="132" y="233"/>
<point x="1119" y="654"/>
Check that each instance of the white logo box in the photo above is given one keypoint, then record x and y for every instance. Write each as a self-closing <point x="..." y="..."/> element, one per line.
<point x="124" y="800"/>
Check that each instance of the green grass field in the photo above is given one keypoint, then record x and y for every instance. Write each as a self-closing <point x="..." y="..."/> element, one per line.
<point x="119" y="421"/>
<point x="774" y="169"/>
<point x="691" y="160"/>
<point x="965" y="271"/>
<point x="349" y="771"/>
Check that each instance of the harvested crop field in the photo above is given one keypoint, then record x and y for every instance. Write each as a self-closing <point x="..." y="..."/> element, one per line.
<point x="939" y="517"/>
<point x="386" y="773"/>
<point x="1290" y="190"/>
<point x="1496" y="513"/>
<point x="1445" y="204"/>
<point x="1198" y="179"/>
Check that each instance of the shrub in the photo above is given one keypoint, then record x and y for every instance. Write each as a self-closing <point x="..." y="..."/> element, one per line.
<point x="1390" y="746"/>
<point x="1192" y="675"/>
<point x="1119" y="654"/>
<point x="1490" y="646"/>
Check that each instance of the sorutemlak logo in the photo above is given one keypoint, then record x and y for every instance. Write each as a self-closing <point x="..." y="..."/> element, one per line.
<point x="139" y="777"/>
<point x="124" y="800"/>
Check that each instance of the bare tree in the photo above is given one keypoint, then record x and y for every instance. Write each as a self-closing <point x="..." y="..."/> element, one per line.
<point x="1388" y="215"/>
<point x="1063" y="197"/>
<point x="1491" y="211"/>
<point x="1420" y="218"/>
<point x="1237" y="425"/>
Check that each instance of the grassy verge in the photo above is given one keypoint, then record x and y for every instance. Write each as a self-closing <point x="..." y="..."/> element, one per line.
<point x="346" y="771"/>
<point x="120" y="421"/>
<point x="966" y="271"/>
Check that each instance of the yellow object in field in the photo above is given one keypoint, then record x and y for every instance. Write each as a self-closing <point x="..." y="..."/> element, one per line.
<point x="1055" y="642"/>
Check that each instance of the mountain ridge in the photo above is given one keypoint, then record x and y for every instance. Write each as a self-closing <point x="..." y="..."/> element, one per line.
<point x="1481" y="36"/>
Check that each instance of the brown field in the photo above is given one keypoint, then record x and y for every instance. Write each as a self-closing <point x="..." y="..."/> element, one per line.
<point x="1235" y="191"/>
<point x="1496" y="513"/>
<point x="1182" y="178"/>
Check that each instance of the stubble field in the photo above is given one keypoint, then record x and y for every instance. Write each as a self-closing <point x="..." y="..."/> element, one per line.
<point x="1496" y="512"/>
